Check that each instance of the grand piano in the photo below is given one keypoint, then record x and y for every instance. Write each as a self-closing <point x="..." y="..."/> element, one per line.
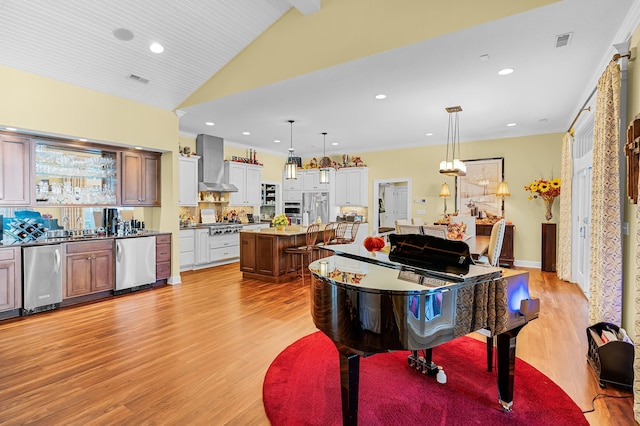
<point x="369" y="303"/>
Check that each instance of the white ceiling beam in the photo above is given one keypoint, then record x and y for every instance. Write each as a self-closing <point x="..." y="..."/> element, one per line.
<point x="306" y="7"/>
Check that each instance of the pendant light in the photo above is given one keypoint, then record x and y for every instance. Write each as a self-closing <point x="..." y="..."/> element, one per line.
<point x="325" y="162"/>
<point x="452" y="165"/>
<point x="291" y="167"/>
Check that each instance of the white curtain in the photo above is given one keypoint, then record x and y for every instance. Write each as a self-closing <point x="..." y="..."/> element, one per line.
<point x="563" y="266"/>
<point x="605" y="275"/>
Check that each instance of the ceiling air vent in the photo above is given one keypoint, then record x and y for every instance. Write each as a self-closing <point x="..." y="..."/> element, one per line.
<point x="137" y="78"/>
<point x="563" y="39"/>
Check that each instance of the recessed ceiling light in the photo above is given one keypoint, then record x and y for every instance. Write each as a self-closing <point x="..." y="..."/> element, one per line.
<point x="156" y="47"/>
<point x="82" y="140"/>
<point x="123" y="34"/>
<point x="276" y="141"/>
<point x="334" y="143"/>
<point x="137" y="147"/>
<point x="381" y="96"/>
<point x="210" y="123"/>
<point x="11" y="129"/>
<point x="512" y="124"/>
<point x="505" y="71"/>
<point x="429" y="134"/>
<point x="246" y="133"/>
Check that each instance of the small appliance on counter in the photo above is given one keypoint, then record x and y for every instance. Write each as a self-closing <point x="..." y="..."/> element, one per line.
<point x="110" y="221"/>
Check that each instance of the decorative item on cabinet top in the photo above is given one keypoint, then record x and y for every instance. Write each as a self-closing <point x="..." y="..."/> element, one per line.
<point x="347" y="161"/>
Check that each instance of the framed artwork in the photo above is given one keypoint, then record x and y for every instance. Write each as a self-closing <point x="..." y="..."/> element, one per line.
<point x="476" y="192"/>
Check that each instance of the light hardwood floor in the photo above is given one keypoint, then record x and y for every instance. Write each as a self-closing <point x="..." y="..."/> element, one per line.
<point x="196" y="353"/>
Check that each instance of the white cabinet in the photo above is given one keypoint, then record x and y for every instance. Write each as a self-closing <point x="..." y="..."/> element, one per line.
<point x="188" y="181"/>
<point x="247" y="178"/>
<point x="202" y="246"/>
<point x="187" y="249"/>
<point x="292" y="196"/>
<point x="224" y="247"/>
<point x="292" y="184"/>
<point x="311" y="181"/>
<point x="351" y="186"/>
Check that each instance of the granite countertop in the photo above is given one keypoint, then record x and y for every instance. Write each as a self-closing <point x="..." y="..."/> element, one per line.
<point x="82" y="239"/>
<point x="287" y="231"/>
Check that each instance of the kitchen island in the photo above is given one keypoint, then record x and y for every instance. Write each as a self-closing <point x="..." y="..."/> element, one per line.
<point x="263" y="256"/>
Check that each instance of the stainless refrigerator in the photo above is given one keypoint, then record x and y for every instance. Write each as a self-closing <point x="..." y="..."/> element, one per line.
<point x="315" y="205"/>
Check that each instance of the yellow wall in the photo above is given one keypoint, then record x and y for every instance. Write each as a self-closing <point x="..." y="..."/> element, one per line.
<point x="46" y="106"/>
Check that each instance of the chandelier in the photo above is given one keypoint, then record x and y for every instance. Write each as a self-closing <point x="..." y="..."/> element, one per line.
<point x="291" y="166"/>
<point x="452" y="165"/>
<point x="325" y="162"/>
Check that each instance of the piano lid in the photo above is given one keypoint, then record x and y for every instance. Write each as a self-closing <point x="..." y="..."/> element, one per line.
<point x="357" y="252"/>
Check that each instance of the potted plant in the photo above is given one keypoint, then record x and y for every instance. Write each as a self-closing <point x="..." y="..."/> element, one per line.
<point x="280" y="221"/>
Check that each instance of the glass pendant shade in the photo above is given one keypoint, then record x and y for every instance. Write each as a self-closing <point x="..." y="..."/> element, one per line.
<point x="291" y="167"/>
<point x="452" y="165"/>
<point x="325" y="162"/>
<point x="324" y="175"/>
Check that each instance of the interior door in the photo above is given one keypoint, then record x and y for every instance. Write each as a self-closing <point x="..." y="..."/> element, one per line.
<point x="581" y="223"/>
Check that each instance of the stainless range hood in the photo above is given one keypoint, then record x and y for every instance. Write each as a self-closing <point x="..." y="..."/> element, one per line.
<point x="211" y="165"/>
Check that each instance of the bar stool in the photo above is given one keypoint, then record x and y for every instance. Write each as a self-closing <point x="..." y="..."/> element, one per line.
<point x="340" y="232"/>
<point x="305" y="251"/>
<point x="327" y="236"/>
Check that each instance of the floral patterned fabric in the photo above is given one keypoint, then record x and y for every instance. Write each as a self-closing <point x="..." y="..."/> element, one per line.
<point x="563" y="264"/>
<point x="482" y="306"/>
<point x="605" y="275"/>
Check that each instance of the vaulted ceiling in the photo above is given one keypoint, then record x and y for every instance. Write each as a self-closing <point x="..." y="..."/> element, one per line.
<point x="85" y="43"/>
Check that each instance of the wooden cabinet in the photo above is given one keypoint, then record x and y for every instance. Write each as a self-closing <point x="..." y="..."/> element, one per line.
<point x="548" y="254"/>
<point x="248" y="250"/>
<point x="15" y="174"/>
<point x="188" y="181"/>
<point x="10" y="282"/>
<point x="163" y="257"/>
<point x="89" y="268"/>
<point x="351" y="186"/>
<point x="506" y="253"/>
<point x="247" y="178"/>
<point x="140" y="178"/>
<point x="187" y="249"/>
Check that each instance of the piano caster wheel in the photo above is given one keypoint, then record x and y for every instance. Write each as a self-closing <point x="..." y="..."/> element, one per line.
<point x="507" y="407"/>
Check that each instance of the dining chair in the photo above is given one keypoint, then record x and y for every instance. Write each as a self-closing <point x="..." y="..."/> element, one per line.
<point x="401" y="222"/>
<point x="439" y="231"/>
<point x="492" y="255"/>
<point x="409" y="229"/>
<point x="305" y="252"/>
<point x="417" y="221"/>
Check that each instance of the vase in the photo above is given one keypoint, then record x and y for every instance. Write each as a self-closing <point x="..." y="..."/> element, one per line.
<point x="280" y="227"/>
<point x="548" y="203"/>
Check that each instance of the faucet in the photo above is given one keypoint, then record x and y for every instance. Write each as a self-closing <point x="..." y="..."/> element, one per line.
<point x="65" y="222"/>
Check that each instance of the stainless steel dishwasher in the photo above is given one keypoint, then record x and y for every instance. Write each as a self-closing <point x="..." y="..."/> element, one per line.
<point x="135" y="263"/>
<point x="42" y="267"/>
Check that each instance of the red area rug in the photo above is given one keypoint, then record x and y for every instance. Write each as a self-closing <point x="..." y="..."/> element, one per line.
<point x="302" y="387"/>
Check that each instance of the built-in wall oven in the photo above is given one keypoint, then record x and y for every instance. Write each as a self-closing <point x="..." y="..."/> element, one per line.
<point x="293" y="210"/>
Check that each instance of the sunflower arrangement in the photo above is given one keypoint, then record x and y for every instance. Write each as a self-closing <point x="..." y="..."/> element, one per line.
<point x="543" y="188"/>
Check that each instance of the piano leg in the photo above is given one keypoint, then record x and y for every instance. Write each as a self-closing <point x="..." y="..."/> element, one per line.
<point x="506" y="350"/>
<point x="349" y="379"/>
